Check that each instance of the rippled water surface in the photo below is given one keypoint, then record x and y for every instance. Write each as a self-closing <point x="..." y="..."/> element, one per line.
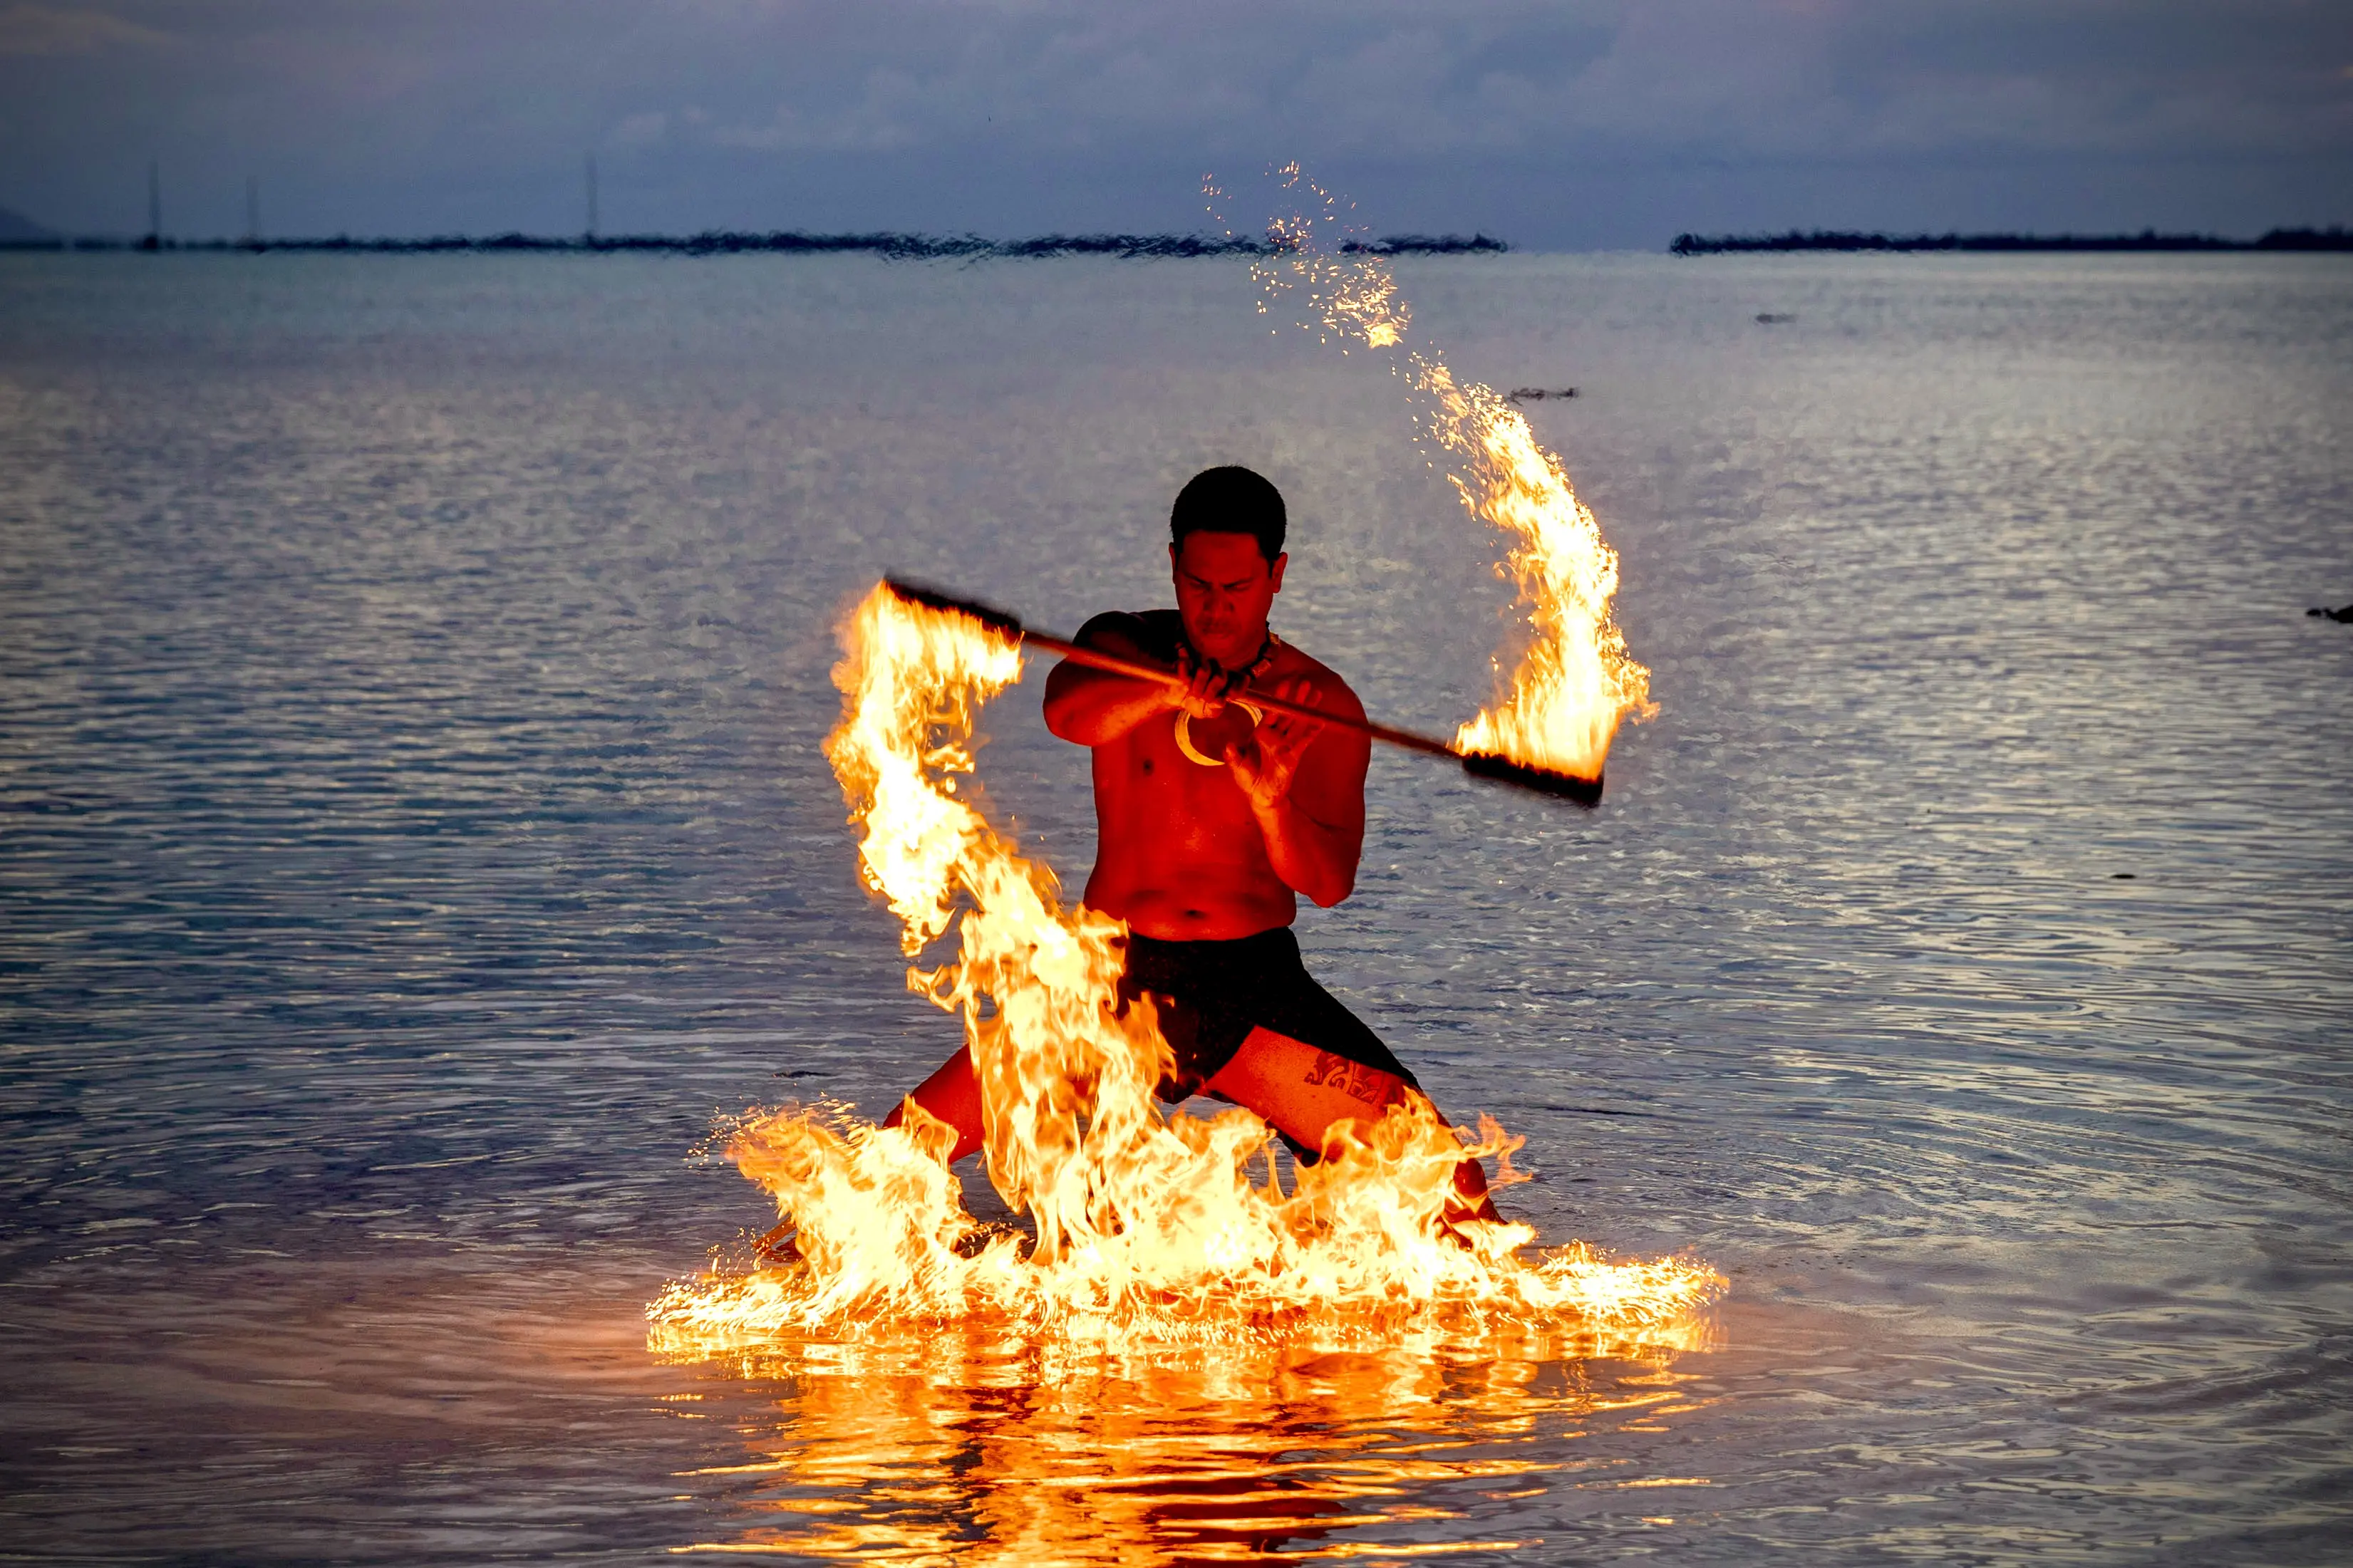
<point x="410" y="682"/>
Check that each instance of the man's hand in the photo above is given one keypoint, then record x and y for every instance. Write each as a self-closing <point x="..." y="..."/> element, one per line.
<point x="1200" y="689"/>
<point x="1266" y="766"/>
<point x="1095" y="707"/>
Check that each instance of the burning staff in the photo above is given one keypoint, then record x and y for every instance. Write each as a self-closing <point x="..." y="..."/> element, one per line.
<point x="1239" y="689"/>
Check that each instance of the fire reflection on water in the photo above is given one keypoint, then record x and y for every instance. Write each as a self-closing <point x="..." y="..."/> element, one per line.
<point x="988" y="1446"/>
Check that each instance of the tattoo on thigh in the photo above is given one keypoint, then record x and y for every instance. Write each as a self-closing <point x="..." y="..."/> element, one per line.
<point x="1328" y="1068"/>
<point x="1370" y="1085"/>
<point x="1354" y="1080"/>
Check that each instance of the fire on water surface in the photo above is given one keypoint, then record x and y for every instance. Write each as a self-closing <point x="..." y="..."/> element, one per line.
<point x="1149" y="1227"/>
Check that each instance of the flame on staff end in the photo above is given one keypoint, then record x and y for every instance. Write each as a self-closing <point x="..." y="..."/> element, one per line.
<point x="1576" y="682"/>
<point x="1149" y="1227"/>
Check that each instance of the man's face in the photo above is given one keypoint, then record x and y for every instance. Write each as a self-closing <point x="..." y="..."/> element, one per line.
<point x="1223" y="589"/>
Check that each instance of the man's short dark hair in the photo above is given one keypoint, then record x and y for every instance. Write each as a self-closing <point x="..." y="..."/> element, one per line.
<point x="1230" y="500"/>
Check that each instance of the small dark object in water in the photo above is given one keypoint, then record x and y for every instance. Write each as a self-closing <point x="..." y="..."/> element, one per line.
<point x="1538" y="393"/>
<point x="1773" y="317"/>
<point x="2122" y="876"/>
<point x="2345" y="613"/>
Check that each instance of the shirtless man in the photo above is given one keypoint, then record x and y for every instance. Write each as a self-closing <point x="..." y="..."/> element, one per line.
<point x="1209" y="825"/>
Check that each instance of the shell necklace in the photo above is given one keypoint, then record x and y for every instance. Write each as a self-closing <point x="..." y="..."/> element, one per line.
<point x="1243" y="677"/>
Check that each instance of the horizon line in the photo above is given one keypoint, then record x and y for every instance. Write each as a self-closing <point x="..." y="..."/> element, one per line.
<point x="904" y="245"/>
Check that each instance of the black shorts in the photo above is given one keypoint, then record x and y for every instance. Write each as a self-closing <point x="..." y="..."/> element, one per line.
<point x="1211" y="995"/>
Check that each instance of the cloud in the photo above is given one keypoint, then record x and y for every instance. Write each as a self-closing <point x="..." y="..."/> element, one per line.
<point x="1734" y="77"/>
<point x="886" y="104"/>
<point x="646" y="129"/>
<point x="1397" y="79"/>
<point x="893" y="111"/>
<point x="34" y="31"/>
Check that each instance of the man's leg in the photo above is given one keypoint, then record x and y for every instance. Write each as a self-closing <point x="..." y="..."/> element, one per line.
<point x="1301" y="1091"/>
<point x="952" y="1094"/>
<point x="1304" y="1093"/>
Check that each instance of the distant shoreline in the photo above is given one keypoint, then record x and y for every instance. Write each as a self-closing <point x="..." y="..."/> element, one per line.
<point x="897" y="247"/>
<point x="2290" y="239"/>
<point x="1143" y="247"/>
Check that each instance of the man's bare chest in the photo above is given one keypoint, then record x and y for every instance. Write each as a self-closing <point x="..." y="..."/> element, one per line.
<point x="1159" y="782"/>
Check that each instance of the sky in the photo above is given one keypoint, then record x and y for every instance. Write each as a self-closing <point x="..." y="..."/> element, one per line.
<point x="1568" y="124"/>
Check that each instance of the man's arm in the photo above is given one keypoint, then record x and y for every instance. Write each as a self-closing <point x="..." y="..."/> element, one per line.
<point x="1096" y="707"/>
<point x="1306" y="785"/>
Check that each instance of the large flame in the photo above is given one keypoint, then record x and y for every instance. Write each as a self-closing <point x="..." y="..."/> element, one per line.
<point x="1148" y="1226"/>
<point x="1576" y="681"/>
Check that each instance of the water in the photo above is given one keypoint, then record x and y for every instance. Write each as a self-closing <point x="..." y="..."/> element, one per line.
<point x="414" y="833"/>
